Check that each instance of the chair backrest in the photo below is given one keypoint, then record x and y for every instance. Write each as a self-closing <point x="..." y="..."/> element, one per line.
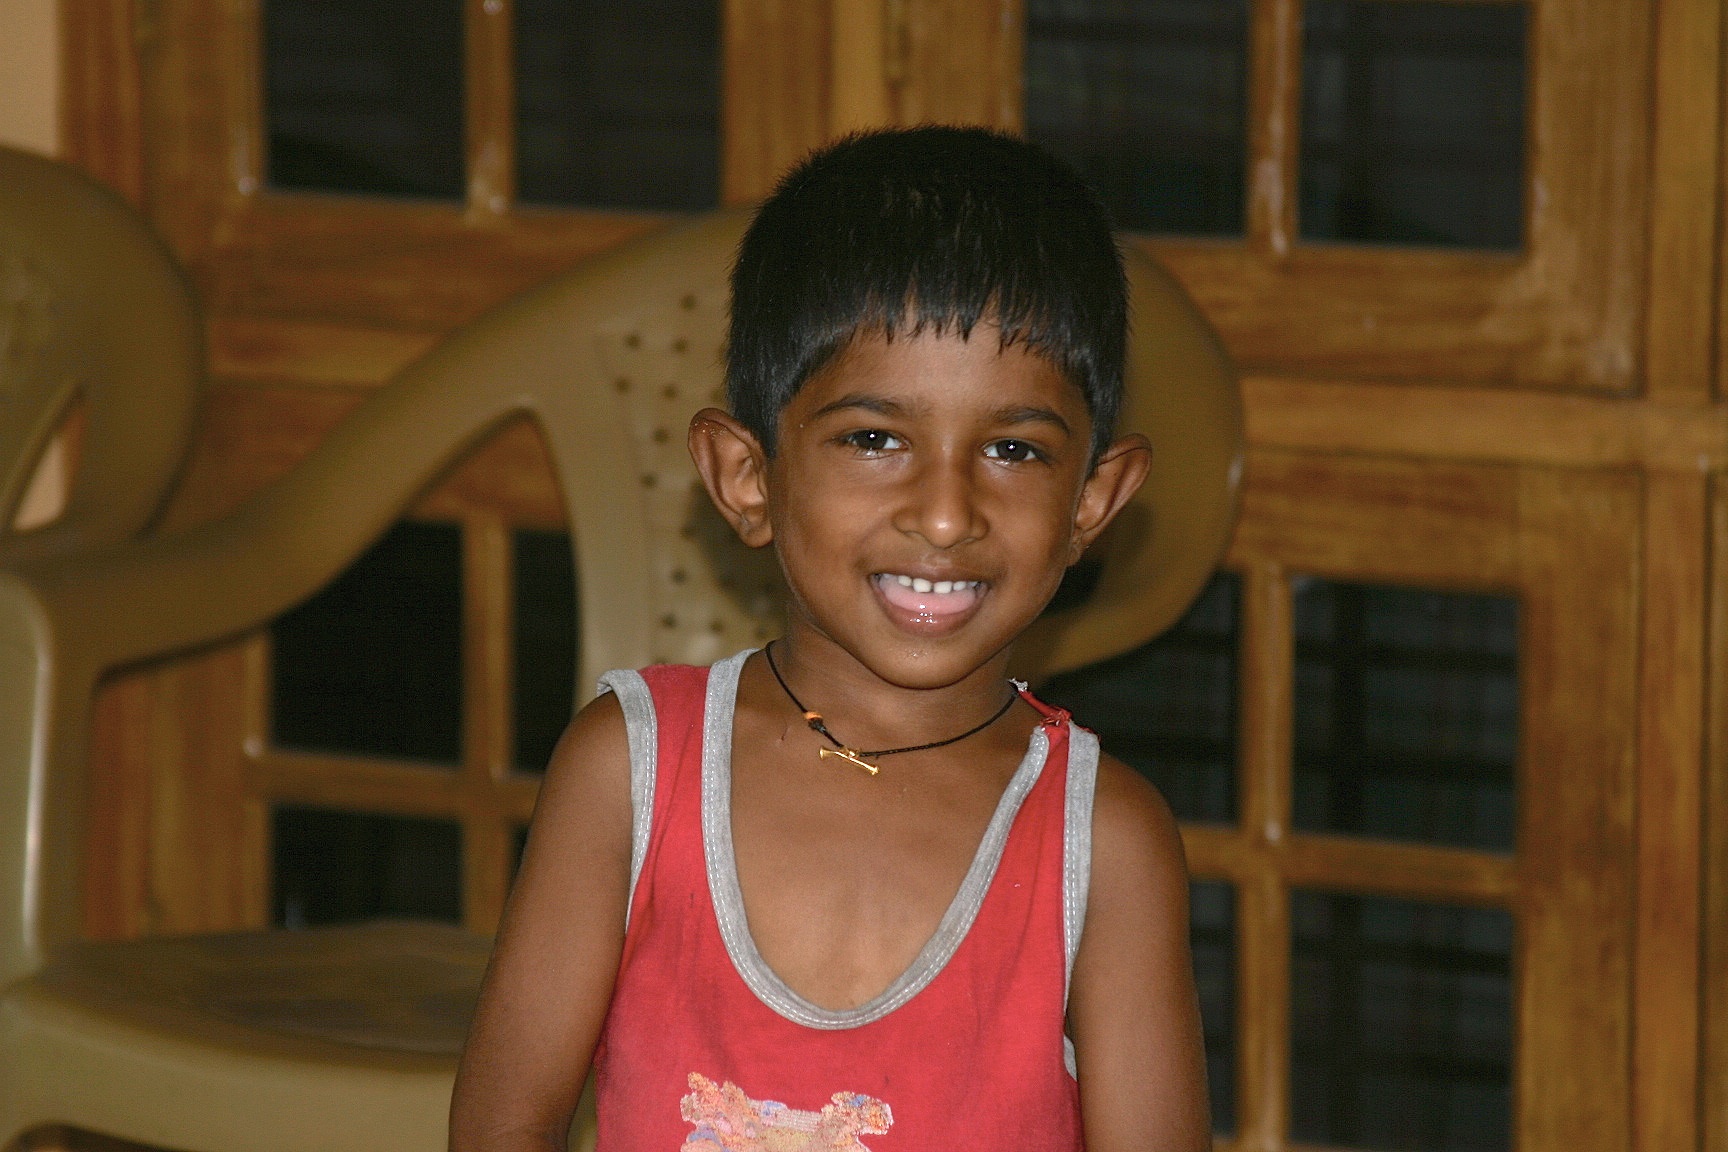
<point x="611" y="359"/>
<point x="92" y="310"/>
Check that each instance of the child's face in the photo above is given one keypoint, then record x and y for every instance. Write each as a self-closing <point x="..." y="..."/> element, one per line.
<point x="926" y="497"/>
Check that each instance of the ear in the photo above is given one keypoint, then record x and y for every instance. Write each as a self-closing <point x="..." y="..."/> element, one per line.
<point x="1115" y="478"/>
<point x="734" y="469"/>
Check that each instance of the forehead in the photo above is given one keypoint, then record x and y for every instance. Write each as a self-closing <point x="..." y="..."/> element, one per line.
<point x="932" y="373"/>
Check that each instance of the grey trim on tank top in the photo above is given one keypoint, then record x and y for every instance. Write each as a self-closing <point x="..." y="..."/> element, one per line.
<point x="1076" y="859"/>
<point x="642" y="732"/>
<point x="728" y="897"/>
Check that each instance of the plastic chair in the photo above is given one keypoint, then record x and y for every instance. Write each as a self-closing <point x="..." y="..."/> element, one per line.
<point x="346" y="1038"/>
<point x="93" y="313"/>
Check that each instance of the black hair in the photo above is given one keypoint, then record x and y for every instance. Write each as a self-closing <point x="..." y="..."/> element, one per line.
<point x="932" y="229"/>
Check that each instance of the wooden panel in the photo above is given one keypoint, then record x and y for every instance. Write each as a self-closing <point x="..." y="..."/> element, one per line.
<point x="117" y="830"/>
<point x="489" y="106"/>
<point x="250" y="350"/>
<point x="102" y="114"/>
<point x="958" y="62"/>
<point x="1274" y="127"/>
<point x="199" y="801"/>
<point x="380" y="785"/>
<point x="331" y="781"/>
<point x="1713" y="983"/>
<point x="1347" y="863"/>
<point x="1680" y="336"/>
<point x="200" y="56"/>
<point x="1670" y="818"/>
<point x="174" y="838"/>
<point x="774" y="106"/>
<point x="1454" y="423"/>
<point x="508" y="478"/>
<point x="1578" y="536"/>
<point x="1263" y="1025"/>
<point x="1263" y="900"/>
<point x="861" y="34"/>
<point x="1268" y="697"/>
<point x="1429" y="524"/>
<point x="420" y="266"/>
<point x="487" y="752"/>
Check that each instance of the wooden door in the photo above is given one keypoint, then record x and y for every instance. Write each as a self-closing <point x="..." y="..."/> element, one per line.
<point x="1530" y="423"/>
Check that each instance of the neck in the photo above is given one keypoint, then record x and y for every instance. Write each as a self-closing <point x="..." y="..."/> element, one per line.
<point x="864" y="709"/>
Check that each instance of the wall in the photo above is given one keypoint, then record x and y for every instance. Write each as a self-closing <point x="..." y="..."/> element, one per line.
<point x="30" y="74"/>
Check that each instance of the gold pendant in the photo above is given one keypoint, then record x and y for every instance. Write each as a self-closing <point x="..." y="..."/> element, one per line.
<point x="850" y="756"/>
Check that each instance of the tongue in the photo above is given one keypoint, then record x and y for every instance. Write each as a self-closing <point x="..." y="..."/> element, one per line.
<point x="927" y="603"/>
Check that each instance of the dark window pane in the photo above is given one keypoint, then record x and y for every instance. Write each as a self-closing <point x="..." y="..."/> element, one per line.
<point x="364" y="95"/>
<point x="1406" y="713"/>
<point x="545" y="644"/>
<point x="373" y="663"/>
<point x="335" y="867"/>
<point x="1169" y="708"/>
<point x="1146" y="99"/>
<point x="1413" y="122"/>
<point x="1212" y="933"/>
<point x="1401" y="1024"/>
<point x="618" y="104"/>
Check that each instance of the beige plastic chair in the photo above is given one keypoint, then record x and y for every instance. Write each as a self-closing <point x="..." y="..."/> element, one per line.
<point x="346" y="1038"/>
<point x="92" y="312"/>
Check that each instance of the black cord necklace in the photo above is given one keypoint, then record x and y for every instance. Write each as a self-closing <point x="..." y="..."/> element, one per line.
<point x="862" y="759"/>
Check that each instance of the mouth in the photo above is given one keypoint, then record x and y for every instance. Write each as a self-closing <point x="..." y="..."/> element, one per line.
<point x="929" y="600"/>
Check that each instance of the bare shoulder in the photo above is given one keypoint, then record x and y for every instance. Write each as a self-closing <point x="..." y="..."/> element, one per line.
<point x="595" y="745"/>
<point x="1132" y="1010"/>
<point x="1136" y="844"/>
<point x="586" y="790"/>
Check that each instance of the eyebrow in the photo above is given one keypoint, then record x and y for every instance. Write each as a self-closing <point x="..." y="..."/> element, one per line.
<point x="880" y="405"/>
<point x="1034" y="415"/>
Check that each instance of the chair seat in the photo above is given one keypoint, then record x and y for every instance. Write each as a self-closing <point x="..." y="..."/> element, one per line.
<point x="385" y="989"/>
<point x="285" y="1041"/>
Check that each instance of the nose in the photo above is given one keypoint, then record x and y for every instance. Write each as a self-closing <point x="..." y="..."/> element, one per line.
<point x="940" y="504"/>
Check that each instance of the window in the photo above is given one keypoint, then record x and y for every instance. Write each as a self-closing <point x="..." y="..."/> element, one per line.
<point x="1413" y="122"/>
<point x="1149" y="102"/>
<point x="1468" y="409"/>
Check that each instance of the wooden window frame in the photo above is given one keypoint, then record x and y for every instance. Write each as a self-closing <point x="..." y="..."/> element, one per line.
<point x="1570" y="884"/>
<point x="1563" y="313"/>
<point x="1592" y="356"/>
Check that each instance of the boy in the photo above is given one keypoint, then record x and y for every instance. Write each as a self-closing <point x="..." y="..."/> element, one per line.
<point x="856" y="891"/>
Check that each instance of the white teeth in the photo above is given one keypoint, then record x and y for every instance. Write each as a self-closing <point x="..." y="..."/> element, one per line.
<point x="940" y="587"/>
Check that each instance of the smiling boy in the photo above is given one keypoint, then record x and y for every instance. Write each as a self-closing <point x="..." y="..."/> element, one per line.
<point x="858" y="890"/>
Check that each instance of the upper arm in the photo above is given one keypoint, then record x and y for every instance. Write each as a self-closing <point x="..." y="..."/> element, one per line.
<point x="1133" y="1012"/>
<point x="550" y="979"/>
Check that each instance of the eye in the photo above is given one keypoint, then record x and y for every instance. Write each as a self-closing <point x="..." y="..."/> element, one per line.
<point x="872" y="441"/>
<point x="1012" y="451"/>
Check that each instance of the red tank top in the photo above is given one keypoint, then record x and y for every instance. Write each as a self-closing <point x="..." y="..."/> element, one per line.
<point x="705" y="1048"/>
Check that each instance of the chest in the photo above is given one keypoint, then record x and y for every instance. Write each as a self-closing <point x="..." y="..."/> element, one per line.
<point x="846" y="879"/>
